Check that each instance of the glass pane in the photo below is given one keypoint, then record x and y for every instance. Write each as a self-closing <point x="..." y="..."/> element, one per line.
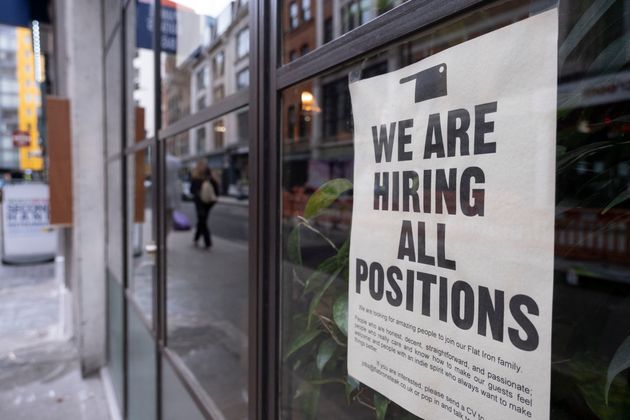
<point x="205" y="55"/>
<point x="115" y="337"/>
<point x="176" y="400"/>
<point x="207" y="257"/>
<point x="114" y="220"/>
<point x="309" y="24"/>
<point x="141" y="109"/>
<point x="113" y="97"/>
<point x="141" y="235"/>
<point x="112" y="12"/>
<point x="590" y="319"/>
<point x="142" y="366"/>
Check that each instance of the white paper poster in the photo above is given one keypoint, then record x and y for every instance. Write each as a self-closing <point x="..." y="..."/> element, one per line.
<point x="26" y="231"/>
<point x="451" y="275"/>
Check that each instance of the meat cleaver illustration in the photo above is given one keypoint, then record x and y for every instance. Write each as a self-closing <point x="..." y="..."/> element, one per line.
<point x="430" y="83"/>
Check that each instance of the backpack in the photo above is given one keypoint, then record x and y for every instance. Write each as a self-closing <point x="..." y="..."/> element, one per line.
<point x="207" y="193"/>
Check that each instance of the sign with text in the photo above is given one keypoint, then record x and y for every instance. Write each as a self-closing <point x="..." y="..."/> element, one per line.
<point x="451" y="258"/>
<point x="21" y="138"/>
<point x="26" y="232"/>
<point x="144" y="26"/>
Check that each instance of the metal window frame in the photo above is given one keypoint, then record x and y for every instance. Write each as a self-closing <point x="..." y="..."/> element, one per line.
<point x="405" y="20"/>
<point x="268" y="78"/>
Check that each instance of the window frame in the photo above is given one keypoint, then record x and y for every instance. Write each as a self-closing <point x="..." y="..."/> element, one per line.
<point x="267" y="80"/>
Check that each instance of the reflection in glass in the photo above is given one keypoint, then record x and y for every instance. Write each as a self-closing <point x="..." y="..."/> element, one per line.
<point x="141" y="85"/>
<point x="592" y="255"/>
<point x="141" y="375"/>
<point x="209" y="58"/>
<point x="207" y="256"/>
<point x="141" y="224"/>
<point x="309" y="24"/>
<point x="176" y="400"/>
<point x="115" y="354"/>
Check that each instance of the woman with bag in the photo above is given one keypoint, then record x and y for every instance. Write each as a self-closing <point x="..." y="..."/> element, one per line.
<point x="205" y="192"/>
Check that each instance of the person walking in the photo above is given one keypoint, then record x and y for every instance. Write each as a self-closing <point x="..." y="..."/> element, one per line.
<point x="205" y="192"/>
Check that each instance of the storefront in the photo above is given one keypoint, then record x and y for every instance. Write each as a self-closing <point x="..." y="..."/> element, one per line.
<point x="267" y="94"/>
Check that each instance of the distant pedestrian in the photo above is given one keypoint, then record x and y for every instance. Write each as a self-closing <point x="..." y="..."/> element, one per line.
<point x="205" y="192"/>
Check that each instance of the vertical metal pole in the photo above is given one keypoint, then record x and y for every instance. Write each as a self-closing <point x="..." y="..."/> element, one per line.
<point x="125" y="224"/>
<point x="264" y="215"/>
<point x="159" y="301"/>
<point x="254" y="297"/>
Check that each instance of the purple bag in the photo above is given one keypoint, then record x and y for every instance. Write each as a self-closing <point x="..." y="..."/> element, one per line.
<point x="180" y="221"/>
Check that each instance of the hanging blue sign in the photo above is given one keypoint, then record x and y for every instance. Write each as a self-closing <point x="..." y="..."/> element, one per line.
<point x="144" y="27"/>
<point x="15" y="13"/>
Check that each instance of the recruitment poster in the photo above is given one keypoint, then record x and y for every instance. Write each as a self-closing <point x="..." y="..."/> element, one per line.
<point x="451" y="284"/>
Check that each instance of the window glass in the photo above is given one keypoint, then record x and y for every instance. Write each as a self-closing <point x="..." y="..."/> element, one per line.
<point x="242" y="79"/>
<point x="306" y="10"/>
<point x="218" y="64"/>
<point x="218" y="93"/>
<point x="141" y="235"/>
<point x="334" y="19"/>
<point x="293" y="15"/>
<point x="140" y="79"/>
<point x="242" y="43"/>
<point x="201" y="102"/>
<point x="115" y="352"/>
<point x="207" y="258"/>
<point x="590" y="319"/>
<point x="201" y="140"/>
<point x="142" y="375"/>
<point x="176" y="401"/>
<point x="114" y="279"/>
<point x="113" y="97"/>
<point x="202" y="78"/>
<point x="218" y="128"/>
<point x="206" y="45"/>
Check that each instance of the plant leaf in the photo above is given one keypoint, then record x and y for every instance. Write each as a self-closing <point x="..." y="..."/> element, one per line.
<point x="351" y="386"/>
<point x="302" y="340"/>
<point x="309" y="226"/>
<point x="325" y="352"/>
<point x="318" y="296"/>
<point x="619" y="363"/>
<point x="328" y="266"/>
<point x="325" y="196"/>
<point x="294" y="253"/>
<point x="340" y="313"/>
<point x="380" y="404"/>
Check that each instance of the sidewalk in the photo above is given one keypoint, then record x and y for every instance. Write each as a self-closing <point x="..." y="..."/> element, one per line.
<point x="39" y="369"/>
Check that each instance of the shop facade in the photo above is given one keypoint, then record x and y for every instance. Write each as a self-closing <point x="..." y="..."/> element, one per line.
<point x="258" y="92"/>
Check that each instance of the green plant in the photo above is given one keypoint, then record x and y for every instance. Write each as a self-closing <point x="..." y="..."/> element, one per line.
<point x="317" y="353"/>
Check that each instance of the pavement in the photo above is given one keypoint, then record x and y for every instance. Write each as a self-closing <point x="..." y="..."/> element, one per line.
<point x="207" y="306"/>
<point x="40" y="376"/>
<point x="207" y="301"/>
